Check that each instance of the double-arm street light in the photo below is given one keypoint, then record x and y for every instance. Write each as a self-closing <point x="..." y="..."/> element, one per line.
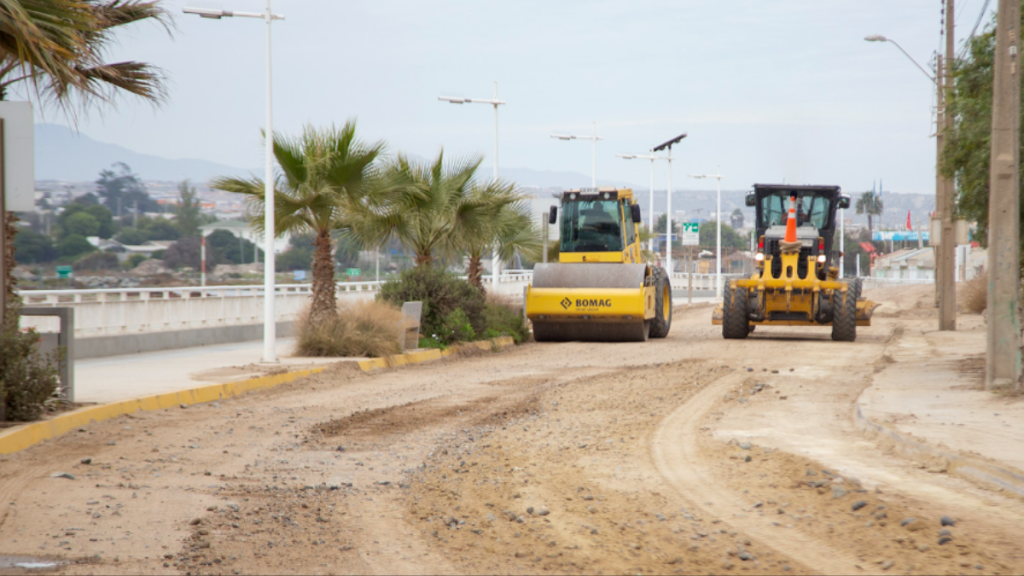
<point x="593" y="151"/>
<point x="718" y="239"/>
<point x="668" y="210"/>
<point x="495" y="261"/>
<point x="650" y="212"/>
<point x="269" y="318"/>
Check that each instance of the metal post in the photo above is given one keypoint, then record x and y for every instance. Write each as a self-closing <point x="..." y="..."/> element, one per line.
<point x="718" y="239"/>
<point x="593" y="159"/>
<point x="668" y="219"/>
<point x="842" y="242"/>
<point x="495" y="259"/>
<point x="545" y="231"/>
<point x="202" y="257"/>
<point x="947" y="245"/>
<point x="3" y="237"/>
<point x="269" y="317"/>
<point x="1003" y="357"/>
<point x="650" y="213"/>
<point x="689" y="274"/>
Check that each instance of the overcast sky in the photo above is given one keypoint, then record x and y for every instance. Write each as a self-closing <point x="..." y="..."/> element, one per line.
<point x="771" y="91"/>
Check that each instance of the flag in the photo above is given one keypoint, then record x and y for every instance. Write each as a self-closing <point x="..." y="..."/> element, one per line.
<point x="909" y="225"/>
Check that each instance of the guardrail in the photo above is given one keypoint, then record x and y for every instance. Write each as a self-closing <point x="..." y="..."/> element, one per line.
<point x="106" y="311"/>
<point x="877" y="282"/>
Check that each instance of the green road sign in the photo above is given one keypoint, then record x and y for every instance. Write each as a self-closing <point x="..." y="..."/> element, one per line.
<point x="691" y="233"/>
<point x="63" y="271"/>
<point x="353" y="272"/>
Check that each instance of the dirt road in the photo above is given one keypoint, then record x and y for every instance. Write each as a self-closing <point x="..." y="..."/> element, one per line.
<point x="686" y="455"/>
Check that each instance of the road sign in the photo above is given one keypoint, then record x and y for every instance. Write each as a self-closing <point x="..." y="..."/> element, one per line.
<point x="299" y="275"/>
<point x="353" y="272"/>
<point x="63" y="271"/>
<point x="691" y="234"/>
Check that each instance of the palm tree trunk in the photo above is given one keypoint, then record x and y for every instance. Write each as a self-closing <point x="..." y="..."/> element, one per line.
<point x="325" y="304"/>
<point x="870" y="227"/>
<point x="424" y="259"/>
<point x="474" y="272"/>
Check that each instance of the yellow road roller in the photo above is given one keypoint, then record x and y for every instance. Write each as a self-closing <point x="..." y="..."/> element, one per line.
<point x="601" y="289"/>
<point x="796" y="282"/>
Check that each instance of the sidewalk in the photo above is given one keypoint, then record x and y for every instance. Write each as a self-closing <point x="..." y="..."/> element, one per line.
<point x="117" y="378"/>
<point x="933" y="390"/>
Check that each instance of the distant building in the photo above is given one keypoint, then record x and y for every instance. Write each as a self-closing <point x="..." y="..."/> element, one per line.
<point x="245" y="231"/>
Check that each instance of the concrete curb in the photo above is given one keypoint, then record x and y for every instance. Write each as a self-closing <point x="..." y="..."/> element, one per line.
<point x="976" y="469"/>
<point x="21" y="437"/>
<point x="432" y="354"/>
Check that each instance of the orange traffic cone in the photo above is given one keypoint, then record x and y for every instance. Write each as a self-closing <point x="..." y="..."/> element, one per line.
<point x="790" y="243"/>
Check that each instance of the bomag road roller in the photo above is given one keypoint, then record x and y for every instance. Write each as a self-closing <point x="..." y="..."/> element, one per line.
<point x="796" y="282"/>
<point x="601" y="289"/>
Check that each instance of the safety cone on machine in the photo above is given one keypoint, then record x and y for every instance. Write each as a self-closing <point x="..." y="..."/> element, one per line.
<point x="789" y="241"/>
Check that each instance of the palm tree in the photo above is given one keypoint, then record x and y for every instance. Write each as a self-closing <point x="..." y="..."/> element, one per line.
<point x="58" y="48"/>
<point x="869" y="203"/>
<point x="325" y="176"/>
<point x="423" y="206"/>
<point x="503" y="224"/>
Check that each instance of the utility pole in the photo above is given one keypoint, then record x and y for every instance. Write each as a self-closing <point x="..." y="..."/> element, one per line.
<point x="945" y="266"/>
<point x="1003" y="353"/>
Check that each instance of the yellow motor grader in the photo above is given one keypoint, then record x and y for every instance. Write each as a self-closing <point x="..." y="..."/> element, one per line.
<point x="796" y="282"/>
<point x="600" y="289"/>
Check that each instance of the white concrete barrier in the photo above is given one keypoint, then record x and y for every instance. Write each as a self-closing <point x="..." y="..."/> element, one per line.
<point x="104" y="312"/>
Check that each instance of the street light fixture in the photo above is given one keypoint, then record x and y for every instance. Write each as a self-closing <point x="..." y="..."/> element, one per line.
<point x="652" y="158"/>
<point x="495" y="261"/>
<point x="880" y="38"/>
<point x="269" y="318"/>
<point x="593" y="151"/>
<point x="667" y="145"/>
<point x="718" y="241"/>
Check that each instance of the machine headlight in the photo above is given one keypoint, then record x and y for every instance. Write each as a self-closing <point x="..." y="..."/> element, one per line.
<point x="759" y="257"/>
<point x="821" y="258"/>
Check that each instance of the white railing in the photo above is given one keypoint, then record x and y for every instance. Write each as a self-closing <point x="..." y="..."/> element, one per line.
<point x="879" y="282"/>
<point x="105" y="311"/>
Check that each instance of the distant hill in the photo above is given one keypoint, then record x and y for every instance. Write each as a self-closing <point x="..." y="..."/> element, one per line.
<point x="64" y="155"/>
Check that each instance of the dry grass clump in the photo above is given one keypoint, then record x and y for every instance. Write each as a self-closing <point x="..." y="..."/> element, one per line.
<point x="366" y="328"/>
<point x="975" y="294"/>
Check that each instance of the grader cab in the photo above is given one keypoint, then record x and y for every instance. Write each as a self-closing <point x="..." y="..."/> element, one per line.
<point x="797" y="281"/>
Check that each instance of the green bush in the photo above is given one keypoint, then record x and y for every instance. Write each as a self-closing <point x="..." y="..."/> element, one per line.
<point x="441" y="293"/>
<point x="505" y="318"/>
<point x="456" y="328"/>
<point x="134" y="260"/>
<point x="74" y="245"/>
<point x="27" y="378"/>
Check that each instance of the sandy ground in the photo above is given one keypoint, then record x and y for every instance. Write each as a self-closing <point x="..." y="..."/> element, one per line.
<point x="686" y="455"/>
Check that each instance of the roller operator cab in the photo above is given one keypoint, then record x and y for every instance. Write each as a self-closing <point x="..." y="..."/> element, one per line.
<point x="601" y="289"/>
<point x="796" y="279"/>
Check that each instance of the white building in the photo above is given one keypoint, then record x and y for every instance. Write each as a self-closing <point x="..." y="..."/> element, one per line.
<point x="245" y="231"/>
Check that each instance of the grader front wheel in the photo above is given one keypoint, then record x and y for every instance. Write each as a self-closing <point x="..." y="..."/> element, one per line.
<point x="844" y="314"/>
<point x="735" y="321"/>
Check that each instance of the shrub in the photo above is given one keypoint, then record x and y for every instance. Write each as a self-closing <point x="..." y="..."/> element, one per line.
<point x="975" y="297"/>
<point x="441" y="293"/>
<point x="366" y="328"/>
<point x="504" y="317"/>
<point x="456" y="328"/>
<point x="97" y="261"/>
<point x="74" y="245"/>
<point x="134" y="260"/>
<point x="27" y="378"/>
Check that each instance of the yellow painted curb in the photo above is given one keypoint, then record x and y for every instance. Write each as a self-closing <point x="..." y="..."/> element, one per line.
<point x="21" y="437"/>
<point x="431" y="354"/>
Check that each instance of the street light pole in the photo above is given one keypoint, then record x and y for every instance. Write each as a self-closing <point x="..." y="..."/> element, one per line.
<point x="650" y="212"/>
<point x="718" y="239"/>
<point x="495" y="260"/>
<point x="945" y="279"/>
<point x="593" y="151"/>
<point x="269" y="291"/>
<point x="668" y="217"/>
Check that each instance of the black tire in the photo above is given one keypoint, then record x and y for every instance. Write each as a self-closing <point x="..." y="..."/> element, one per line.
<point x="844" y="313"/>
<point x="662" y="321"/>
<point x="735" y="322"/>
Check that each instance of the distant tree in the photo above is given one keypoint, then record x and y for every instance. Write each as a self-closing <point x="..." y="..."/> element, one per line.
<point x="34" y="248"/>
<point x="187" y="214"/>
<point x="231" y="248"/>
<point x="730" y="238"/>
<point x="659" y="226"/>
<point x="132" y="236"/>
<point x="87" y="199"/>
<point x="80" y="223"/>
<point x="74" y="245"/>
<point x="121" y="190"/>
<point x="160" y="229"/>
<point x="869" y="203"/>
<point x="187" y="252"/>
<point x="736" y="219"/>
